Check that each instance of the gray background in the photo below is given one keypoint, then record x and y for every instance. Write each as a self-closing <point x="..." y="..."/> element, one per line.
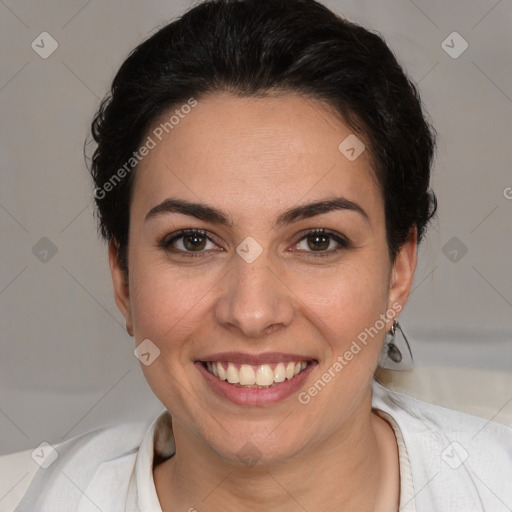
<point x="66" y="361"/>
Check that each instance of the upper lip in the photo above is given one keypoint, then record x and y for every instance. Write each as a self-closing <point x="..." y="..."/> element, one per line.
<point x="255" y="359"/>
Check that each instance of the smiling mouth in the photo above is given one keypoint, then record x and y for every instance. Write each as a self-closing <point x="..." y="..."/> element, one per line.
<point x="255" y="376"/>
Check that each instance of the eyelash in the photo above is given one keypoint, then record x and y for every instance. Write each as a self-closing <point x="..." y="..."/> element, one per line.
<point x="166" y="242"/>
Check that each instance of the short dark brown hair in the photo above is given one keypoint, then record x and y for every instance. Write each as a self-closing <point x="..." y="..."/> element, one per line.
<point x="254" y="47"/>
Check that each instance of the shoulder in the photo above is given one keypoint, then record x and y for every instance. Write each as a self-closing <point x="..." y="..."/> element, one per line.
<point x="94" y="466"/>
<point x="456" y="458"/>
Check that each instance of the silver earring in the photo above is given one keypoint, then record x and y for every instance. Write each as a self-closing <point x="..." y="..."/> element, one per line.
<point x="396" y="352"/>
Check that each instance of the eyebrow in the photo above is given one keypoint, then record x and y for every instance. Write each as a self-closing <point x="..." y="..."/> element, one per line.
<point x="207" y="213"/>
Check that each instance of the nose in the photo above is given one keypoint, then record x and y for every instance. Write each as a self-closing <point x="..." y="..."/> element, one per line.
<point x="254" y="300"/>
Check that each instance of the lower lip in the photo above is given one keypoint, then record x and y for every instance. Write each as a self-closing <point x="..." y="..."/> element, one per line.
<point x="255" y="397"/>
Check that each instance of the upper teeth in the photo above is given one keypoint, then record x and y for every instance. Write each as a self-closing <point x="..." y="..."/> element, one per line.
<point x="261" y="375"/>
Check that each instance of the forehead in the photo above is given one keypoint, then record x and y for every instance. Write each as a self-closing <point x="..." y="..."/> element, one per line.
<point x="253" y="155"/>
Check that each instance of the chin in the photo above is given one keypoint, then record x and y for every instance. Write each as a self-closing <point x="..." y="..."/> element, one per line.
<point x="257" y="446"/>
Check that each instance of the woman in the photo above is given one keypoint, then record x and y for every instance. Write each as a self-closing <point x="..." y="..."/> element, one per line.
<point x="262" y="179"/>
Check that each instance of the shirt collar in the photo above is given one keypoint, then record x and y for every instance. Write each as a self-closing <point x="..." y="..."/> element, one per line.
<point x="158" y="442"/>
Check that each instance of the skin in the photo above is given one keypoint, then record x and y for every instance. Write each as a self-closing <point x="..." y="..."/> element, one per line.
<point x="254" y="158"/>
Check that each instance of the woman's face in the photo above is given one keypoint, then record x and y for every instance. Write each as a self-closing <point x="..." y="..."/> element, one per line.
<point x="259" y="289"/>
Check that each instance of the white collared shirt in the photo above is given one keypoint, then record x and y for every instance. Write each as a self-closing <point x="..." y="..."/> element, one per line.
<point x="449" y="461"/>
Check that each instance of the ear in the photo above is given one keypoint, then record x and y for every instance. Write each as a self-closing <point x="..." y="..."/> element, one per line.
<point x="402" y="272"/>
<point x="120" y="284"/>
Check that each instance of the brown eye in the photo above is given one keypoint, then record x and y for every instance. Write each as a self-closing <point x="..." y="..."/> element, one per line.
<point x="189" y="242"/>
<point x="322" y="242"/>
<point x="194" y="242"/>
<point x="318" y="242"/>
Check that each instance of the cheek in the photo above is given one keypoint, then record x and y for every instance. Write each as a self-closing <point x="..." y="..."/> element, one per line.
<point x="347" y="311"/>
<point x="165" y="306"/>
<point x="345" y="302"/>
<point x="168" y="310"/>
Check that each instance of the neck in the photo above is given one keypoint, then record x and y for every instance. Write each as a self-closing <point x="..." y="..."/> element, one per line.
<point x="350" y="470"/>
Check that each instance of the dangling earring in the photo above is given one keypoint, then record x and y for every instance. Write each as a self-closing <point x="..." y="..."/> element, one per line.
<point x="396" y="352"/>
